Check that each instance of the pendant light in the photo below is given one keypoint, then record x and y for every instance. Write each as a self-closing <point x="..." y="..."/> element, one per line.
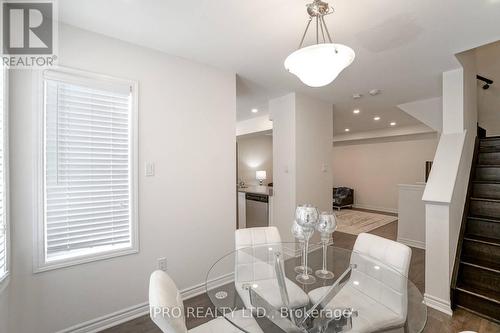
<point x="319" y="64"/>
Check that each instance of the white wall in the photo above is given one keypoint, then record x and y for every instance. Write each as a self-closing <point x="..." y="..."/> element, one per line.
<point x="489" y="100"/>
<point x="411" y="215"/>
<point x="453" y="101"/>
<point x="374" y="168"/>
<point x="284" y="166"/>
<point x="255" y="153"/>
<point x="468" y="61"/>
<point x="438" y="196"/>
<point x="4" y="310"/>
<point x="313" y="143"/>
<point x="446" y="190"/>
<point x="186" y="126"/>
<point x="302" y="145"/>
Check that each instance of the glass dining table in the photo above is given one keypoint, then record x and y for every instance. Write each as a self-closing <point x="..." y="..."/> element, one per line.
<point x="256" y="290"/>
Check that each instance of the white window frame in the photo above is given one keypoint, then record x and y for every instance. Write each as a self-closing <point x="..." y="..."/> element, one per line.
<point x="4" y="281"/>
<point x="40" y="263"/>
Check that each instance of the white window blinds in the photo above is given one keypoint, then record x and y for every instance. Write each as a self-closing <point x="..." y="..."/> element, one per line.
<point x="3" y="217"/>
<point x="88" y="167"/>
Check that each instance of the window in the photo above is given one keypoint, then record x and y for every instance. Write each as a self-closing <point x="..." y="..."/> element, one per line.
<point x="89" y="169"/>
<point x="4" y="234"/>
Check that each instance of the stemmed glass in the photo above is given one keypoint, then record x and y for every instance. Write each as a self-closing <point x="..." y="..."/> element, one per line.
<point x="306" y="217"/>
<point x="326" y="226"/>
<point x="298" y="233"/>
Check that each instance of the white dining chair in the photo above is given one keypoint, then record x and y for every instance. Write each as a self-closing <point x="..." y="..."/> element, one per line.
<point x="256" y="236"/>
<point x="167" y="311"/>
<point x="254" y="265"/>
<point x="377" y="287"/>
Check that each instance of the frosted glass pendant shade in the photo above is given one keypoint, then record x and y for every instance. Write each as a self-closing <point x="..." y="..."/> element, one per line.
<point x="320" y="64"/>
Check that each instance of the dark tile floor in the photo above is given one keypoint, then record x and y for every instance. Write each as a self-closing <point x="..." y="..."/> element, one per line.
<point x="437" y="322"/>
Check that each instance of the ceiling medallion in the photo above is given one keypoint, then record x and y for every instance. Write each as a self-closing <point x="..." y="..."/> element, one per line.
<point x="319" y="64"/>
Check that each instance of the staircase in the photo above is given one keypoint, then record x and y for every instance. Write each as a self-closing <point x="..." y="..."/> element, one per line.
<point x="476" y="279"/>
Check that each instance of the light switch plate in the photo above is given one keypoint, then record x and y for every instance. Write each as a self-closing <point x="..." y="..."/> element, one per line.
<point x="162" y="264"/>
<point x="150" y="169"/>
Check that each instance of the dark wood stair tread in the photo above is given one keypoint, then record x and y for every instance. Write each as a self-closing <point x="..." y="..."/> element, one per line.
<point x="477" y="270"/>
<point x="483" y="219"/>
<point x="491" y="295"/>
<point x="483" y="240"/>
<point x="489" y="150"/>
<point x="487" y="182"/>
<point x="490" y="138"/>
<point x="485" y="199"/>
<point x="481" y="264"/>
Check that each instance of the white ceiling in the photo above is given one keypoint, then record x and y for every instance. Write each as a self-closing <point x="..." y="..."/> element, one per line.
<point x="250" y="95"/>
<point x="402" y="46"/>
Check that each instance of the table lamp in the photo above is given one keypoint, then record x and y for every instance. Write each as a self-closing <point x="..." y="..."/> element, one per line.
<point x="260" y="176"/>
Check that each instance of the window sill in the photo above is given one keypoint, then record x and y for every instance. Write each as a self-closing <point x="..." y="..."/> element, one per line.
<point x="83" y="260"/>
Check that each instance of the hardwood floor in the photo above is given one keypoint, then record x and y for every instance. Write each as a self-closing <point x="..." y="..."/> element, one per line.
<point x="437" y="322"/>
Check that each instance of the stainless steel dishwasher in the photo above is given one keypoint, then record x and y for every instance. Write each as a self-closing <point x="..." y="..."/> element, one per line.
<point x="257" y="210"/>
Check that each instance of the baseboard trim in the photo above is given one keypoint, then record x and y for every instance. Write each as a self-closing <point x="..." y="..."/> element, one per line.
<point x="438" y="304"/>
<point x="139" y="310"/>
<point x="110" y="320"/>
<point x="377" y="208"/>
<point x="412" y="243"/>
<point x="200" y="288"/>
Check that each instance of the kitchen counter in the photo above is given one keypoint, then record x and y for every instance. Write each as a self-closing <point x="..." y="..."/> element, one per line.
<point x="266" y="190"/>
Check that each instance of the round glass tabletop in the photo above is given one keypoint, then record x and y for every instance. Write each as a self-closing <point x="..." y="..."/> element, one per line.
<point x="264" y="289"/>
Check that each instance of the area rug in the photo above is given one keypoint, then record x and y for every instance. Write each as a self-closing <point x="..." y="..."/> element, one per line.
<point x="355" y="222"/>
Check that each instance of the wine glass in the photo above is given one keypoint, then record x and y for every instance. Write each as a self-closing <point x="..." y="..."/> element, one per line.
<point x="326" y="226"/>
<point x="298" y="233"/>
<point x="306" y="217"/>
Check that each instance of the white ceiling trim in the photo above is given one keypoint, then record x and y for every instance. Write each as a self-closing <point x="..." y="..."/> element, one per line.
<point x="384" y="133"/>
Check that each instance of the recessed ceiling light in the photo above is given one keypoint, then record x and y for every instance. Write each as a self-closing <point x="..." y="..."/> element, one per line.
<point x="376" y="118"/>
<point x="356" y="111"/>
<point x="255" y="110"/>
<point x="393" y="124"/>
<point x="347" y="130"/>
